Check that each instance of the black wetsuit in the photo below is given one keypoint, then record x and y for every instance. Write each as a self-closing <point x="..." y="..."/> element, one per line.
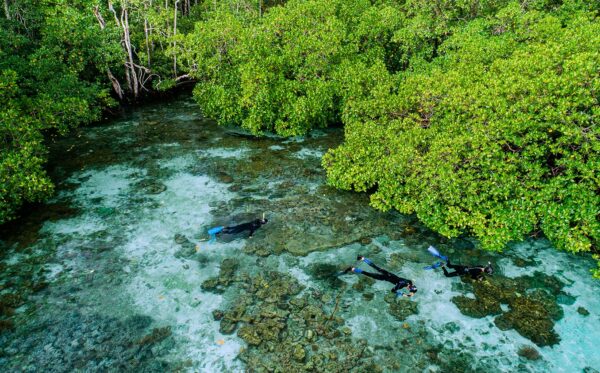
<point x="384" y="275"/>
<point x="476" y="273"/>
<point x="251" y="226"/>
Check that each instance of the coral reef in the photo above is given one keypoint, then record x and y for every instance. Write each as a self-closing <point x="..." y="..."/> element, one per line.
<point x="582" y="311"/>
<point x="531" y="320"/>
<point x="289" y="332"/>
<point x="401" y="308"/>
<point x="226" y="276"/>
<point x="529" y="353"/>
<point x="75" y="342"/>
<point x="532" y="302"/>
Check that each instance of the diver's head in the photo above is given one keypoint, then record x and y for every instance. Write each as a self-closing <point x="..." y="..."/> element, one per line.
<point x="412" y="288"/>
<point x="488" y="269"/>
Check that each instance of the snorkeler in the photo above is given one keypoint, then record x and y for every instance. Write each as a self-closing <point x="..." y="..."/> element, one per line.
<point x="399" y="282"/>
<point x="476" y="272"/>
<point x="250" y="226"/>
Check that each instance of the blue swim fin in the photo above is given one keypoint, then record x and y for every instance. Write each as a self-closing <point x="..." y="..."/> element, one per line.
<point x="433" y="251"/>
<point x="213" y="233"/>
<point x="434" y="266"/>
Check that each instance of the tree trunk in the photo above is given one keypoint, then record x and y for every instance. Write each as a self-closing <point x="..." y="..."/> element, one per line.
<point x="147" y="42"/>
<point x="114" y="12"/>
<point x="99" y="18"/>
<point x="130" y="66"/>
<point x="6" y="10"/>
<point x="174" y="40"/>
<point x="146" y="33"/>
<point x="115" y="82"/>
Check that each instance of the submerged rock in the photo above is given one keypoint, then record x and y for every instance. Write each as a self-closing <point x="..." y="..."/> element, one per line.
<point x="180" y="239"/>
<point x="311" y="225"/>
<point x="299" y="353"/>
<point x="529" y="353"/>
<point x="187" y="248"/>
<point x="105" y="211"/>
<point x="294" y="333"/>
<point x="368" y="296"/>
<point x="150" y="186"/>
<point x="531" y="320"/>
<point x="157" y="335"/>
<point x="326" y="272"/>
<point x="70" y="341"/>
<point x="522" y="263"/>
<point x="249" y="335"/>
<point x="225" y="278"/>
<point x="6" y="325"/>
<point x="363" y="283"/>
<point x="10" y="301"/>
<point x="583" y="311"/>
<point x="477" y="308"/>
<point x="532" y="303"/>
<point x="217" y="315"/>
<point x="224" y="178"/>
<point x="401" y="309"/>
<point x="227" y="326"/>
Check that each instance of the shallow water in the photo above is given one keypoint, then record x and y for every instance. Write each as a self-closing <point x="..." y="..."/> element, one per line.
<point x="109" y="274"/>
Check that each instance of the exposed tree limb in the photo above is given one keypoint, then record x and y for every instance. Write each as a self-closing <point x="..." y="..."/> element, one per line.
<point x="99" y="18"/>
<point x="134" y="83"/>
<point x="181" y="77"/>
<point x="115" y="82"/>
<point x="6" y="9"/>
<point x="174" y="40"/>
<point x="112" y="9"/>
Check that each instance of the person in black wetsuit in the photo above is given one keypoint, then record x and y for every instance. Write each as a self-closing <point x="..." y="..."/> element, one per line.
<point x="476" y="272"/>
<point x="383" y="275"/>
<point x="250" y="226"/>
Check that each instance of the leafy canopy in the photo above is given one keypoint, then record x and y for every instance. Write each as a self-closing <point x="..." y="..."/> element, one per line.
<point x="496" y="137"/>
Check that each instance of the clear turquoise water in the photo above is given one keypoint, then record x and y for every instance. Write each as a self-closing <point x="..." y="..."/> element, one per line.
<point x="108" y="274"/>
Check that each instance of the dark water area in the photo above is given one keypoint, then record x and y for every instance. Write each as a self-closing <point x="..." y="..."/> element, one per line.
<point x="115" y="273"/>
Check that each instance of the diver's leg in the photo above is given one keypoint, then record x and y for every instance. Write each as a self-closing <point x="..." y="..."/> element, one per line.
<point x="448" y="274"/>
<point x="373" y="265"/>
<point x="452" y="266"/>
<point x="376" y="276"/>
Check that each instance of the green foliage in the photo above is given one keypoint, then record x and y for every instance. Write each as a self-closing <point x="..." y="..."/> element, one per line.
<point x="22" y="155"/>
<point x="477" y="116"/>
<point x="281" y="72"/>
<point x="495" y="137"/>
<point x="48" y="83"/>
<point x="55" y="61"/>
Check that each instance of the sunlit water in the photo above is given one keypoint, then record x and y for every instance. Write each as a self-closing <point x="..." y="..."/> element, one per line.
<point x="108" y="275"/>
